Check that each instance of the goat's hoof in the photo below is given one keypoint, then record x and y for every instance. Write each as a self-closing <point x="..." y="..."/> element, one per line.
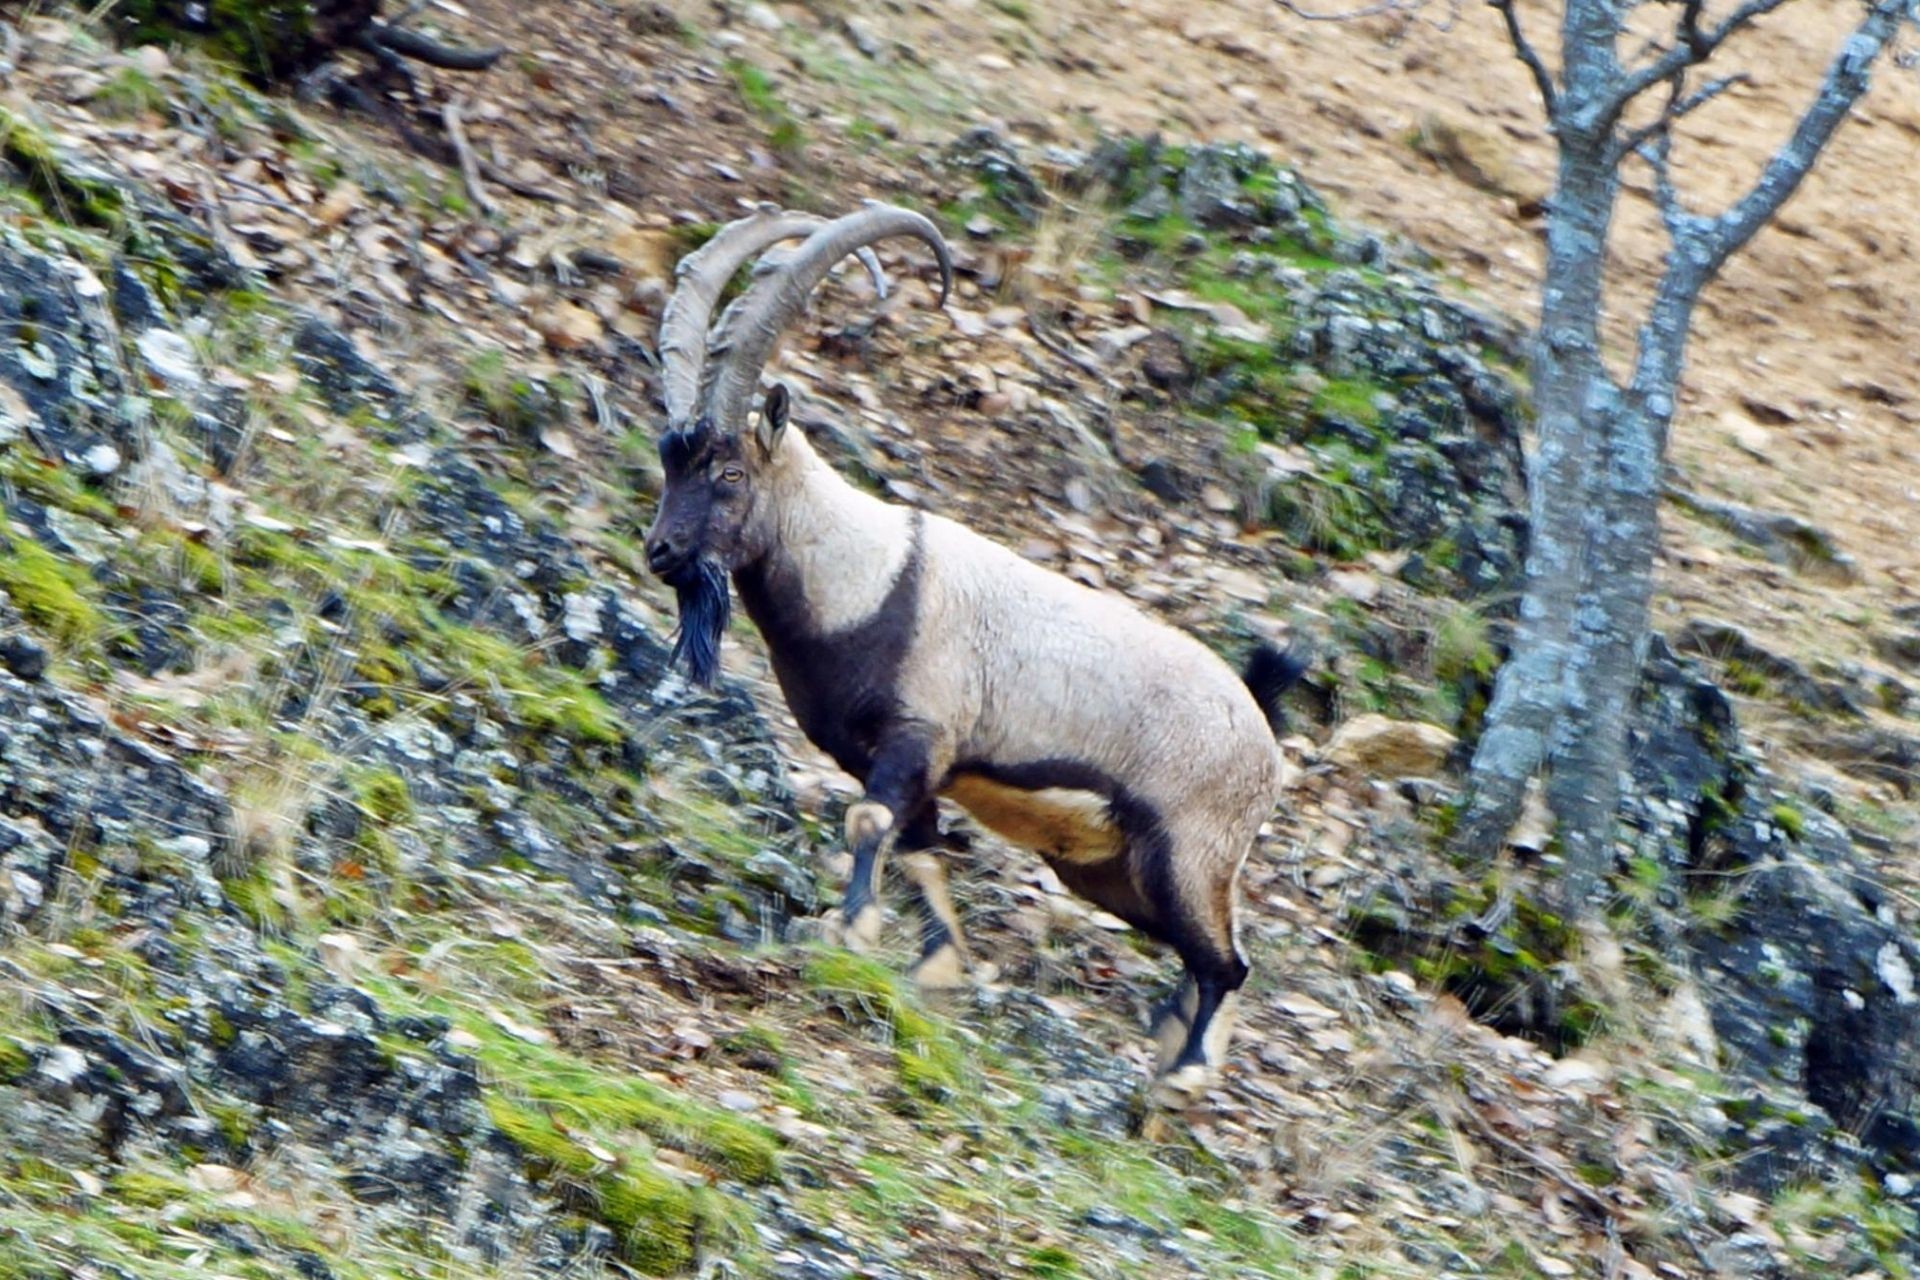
<point x="1169" y="1033"/>
<point x="1178" y="1090"/>
<point x="826" y="927"/>
<point x="862" y="933"/>
<point x="941" y="970"/>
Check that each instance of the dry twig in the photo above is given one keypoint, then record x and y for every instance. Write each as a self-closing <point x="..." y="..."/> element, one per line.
<point x="469" y="164"/>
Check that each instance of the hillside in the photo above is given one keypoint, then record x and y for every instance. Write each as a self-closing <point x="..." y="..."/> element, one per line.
<point x="377" y="902"/>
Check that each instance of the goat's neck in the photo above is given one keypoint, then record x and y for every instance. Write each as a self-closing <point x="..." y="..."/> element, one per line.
<point x="836" y="550"/>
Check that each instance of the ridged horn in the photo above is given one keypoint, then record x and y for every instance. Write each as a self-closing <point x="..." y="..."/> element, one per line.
<point x="700" y="277"/>
<point x="745" y="335"/>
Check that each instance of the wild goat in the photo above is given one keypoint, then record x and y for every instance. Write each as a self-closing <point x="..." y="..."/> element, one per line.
<point x="930" y="662"/>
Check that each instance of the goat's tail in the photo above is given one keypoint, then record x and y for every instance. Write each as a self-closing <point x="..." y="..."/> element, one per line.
<point x="1269" y="673"/>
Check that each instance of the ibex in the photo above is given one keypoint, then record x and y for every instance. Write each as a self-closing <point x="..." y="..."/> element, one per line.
<point x="930" y="662"/>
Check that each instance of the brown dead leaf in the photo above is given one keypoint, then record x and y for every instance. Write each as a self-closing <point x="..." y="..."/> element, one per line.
<point x="340" y="204"/>
<point x="567" y="327"/>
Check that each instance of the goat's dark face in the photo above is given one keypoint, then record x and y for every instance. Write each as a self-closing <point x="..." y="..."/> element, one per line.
<point x="712" y="520"/>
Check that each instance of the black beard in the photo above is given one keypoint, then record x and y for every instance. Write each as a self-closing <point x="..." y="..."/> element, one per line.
<point x="705" y="605"/>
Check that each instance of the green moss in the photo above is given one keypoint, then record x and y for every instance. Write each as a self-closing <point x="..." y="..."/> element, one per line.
<point x="280" y="1228"/>
<point x="1789" y="819"/>
<point x="193" y="566"/>
<point x="252" y="895"/>
<point x="1329" y="514"/>
<point x="1717" y="810"/>
<point x="1157" y="1187"/>
<point x="1248" y="384"/>
<point x="395" y="620"/>
<point x="758" y="1047"/>
<point x="597" y="1097"/>
<point x="50" y="483"/>
<point x="787" y="137"/>
<point x="1511" y="977"/>
<point x="1052" y="1263"/>
<point x="220" y="1032"/>
<point x="545" y="699"/>
<point x="54" y="594"/>
<point x="689" y="236"/>
<point x="383" y="796"/>
<point x="1810" y="1214"/>
<point x="513" y="401"/>
<point x="1745" y="679"/>
<point x="130" y="92"/>
<point x="930" y="1064"/>
<point x="15" y="1062"/>
<point x="280" y="550"/>
<point x="653" y="1217"/>
<point x="1644" y="880"/>
<point x="1349" y="398"/>
<point x="70" y="196"/>
<point x="1462" y="645"/>
<point x="147" y="1190"/>
<point x="784" y="133"/>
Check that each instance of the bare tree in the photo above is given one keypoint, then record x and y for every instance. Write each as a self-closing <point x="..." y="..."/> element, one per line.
<point x="1562" y="698"/>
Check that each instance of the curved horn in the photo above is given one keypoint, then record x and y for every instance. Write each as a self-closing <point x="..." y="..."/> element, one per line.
<point x="700" y="276"/>
<point x="746" y="334"/>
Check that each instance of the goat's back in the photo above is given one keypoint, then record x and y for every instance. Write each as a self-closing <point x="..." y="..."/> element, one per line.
<point x="1028" y="666"/>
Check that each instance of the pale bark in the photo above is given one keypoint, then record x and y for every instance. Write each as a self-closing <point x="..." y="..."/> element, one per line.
<point x="1562" y="699"/>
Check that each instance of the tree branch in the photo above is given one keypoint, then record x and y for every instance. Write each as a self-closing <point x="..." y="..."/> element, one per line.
<point x="411" y="44"/>
<point x="1677" y="107"/>
<point x="1657" y="153"/>
<point x="1406" y="8"/>
<point x="1689" y="27"/>
<point x="1695" y="46"/>
<point x="1702" y="245"/>
<point x="469" y="166"/>
<point x="1846" y="80"/>
<point x="1528" y="55"/>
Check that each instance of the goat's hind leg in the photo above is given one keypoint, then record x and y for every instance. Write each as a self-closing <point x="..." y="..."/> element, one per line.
<point x="1196" y="1024"/>
<point x="1195" y="1027"/>
<point x="1172" y="1023"/>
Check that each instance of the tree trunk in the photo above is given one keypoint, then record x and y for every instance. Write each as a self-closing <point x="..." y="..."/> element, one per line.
<point x="1572" y="395"/>
<point x="1607" y="648"/>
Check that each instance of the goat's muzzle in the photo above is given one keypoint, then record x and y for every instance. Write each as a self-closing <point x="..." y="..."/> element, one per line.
<point x="666" y="558"/>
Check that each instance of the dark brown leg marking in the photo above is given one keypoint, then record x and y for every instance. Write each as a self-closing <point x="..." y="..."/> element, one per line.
<point x="898" y="786"/>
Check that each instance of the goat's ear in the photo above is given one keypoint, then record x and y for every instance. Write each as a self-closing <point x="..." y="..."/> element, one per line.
<point x="773" y="417"/>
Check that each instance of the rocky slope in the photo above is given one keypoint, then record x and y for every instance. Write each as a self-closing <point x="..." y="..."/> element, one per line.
<point x="377" y="903"/>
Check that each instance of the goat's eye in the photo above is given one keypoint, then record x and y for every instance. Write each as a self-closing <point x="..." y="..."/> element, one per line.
<point x="732" y="475"/>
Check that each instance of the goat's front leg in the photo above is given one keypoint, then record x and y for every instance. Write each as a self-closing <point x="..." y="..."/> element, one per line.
<point x="907" y="765"/>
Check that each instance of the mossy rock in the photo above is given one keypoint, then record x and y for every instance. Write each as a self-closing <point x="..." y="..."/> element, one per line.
<point x="267" y="40"/>
<point x="56" y="595"/>
<point x="653" y="1217"/>
<point x="1506" y="957"/>
<point x="15" y="1062"/>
